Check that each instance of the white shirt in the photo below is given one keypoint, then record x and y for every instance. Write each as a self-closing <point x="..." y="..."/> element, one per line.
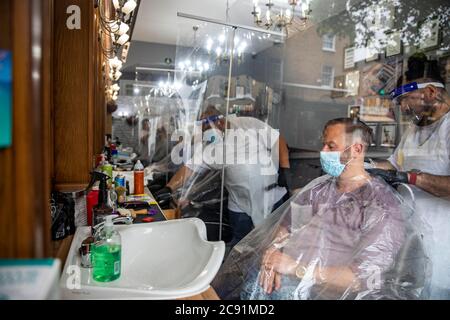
<point x="246" y="181"/>
<point x="425" y="148"/>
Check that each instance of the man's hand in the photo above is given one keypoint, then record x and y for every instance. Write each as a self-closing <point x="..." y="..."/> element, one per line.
<point x="274" y="264"/>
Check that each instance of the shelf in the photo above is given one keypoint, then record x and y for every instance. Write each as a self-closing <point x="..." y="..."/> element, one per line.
<point x="377" y="119"/>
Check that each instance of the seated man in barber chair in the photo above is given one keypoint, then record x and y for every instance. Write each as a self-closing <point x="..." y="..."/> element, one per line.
<point x="337" y="239"/>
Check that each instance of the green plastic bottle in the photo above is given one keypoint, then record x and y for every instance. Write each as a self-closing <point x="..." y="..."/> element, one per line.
<point x="107" y="254"/>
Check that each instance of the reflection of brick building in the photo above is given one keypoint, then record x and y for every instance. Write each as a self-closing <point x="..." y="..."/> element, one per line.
<point x="314" y="60"/>
<point x="312" y="63"/>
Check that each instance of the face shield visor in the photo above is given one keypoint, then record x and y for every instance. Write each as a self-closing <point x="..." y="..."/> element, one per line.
<point x="209" y="122"/>
<point x="411" y="101"/>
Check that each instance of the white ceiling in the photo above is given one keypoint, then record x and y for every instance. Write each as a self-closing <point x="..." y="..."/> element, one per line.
<point x="158" y="22"/>
<point x="157" y="19"/>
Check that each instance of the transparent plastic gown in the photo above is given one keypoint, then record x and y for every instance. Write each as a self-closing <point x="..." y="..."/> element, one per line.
<point x="324" y="243"/>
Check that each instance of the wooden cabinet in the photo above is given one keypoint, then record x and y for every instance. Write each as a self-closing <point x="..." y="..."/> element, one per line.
<point x="79" y="105"/>
<point x="59" y="115"/>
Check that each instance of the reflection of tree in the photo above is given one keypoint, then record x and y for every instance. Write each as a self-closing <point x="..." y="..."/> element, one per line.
<point x="356" y="21"/>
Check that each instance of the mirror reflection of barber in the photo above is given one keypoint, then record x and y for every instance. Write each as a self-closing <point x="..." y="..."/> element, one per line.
<point x="251" y="195"/>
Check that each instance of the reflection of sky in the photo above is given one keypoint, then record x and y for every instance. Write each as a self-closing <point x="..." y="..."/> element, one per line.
<point x="5" y="66"/>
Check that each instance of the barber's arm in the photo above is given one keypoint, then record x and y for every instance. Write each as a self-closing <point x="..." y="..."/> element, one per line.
<point x="436" y="185"/>
<point x="284" y="164"/>
<point x="179" y="178"/>
<point x="284" y="153"/>
<point x="164" y="195"/>
<point x="384" y="165"/>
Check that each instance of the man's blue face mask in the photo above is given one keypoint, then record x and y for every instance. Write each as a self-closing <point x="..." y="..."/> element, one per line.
<point x="331" y="162"/>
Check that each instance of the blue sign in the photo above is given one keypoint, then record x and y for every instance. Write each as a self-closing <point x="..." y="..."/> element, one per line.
<point x="5" y="99"/>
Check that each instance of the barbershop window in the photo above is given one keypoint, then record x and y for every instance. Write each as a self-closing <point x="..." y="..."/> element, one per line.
<point x="346" y="61"/>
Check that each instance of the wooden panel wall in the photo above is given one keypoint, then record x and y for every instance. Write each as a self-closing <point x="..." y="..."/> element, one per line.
<point x="59" y="116"/>
<point x="74" y="96"/>
<point x="24" y="170"/>
<point x="99" y="91"/>
<point x="7" y="219"/>
<point x="47" y="116"/>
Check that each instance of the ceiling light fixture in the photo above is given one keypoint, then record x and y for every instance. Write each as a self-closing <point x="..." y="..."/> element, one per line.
<point x="283" y="17"/>
<point x="116" y="21"/>
<point x="195" y="64"/>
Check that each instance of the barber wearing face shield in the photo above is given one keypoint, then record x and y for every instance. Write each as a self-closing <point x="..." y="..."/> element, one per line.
<point x="252" y="194"/>
<point x="423" y="156"/>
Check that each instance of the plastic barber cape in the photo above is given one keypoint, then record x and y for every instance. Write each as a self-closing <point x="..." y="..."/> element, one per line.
<point x="328" y="244"/>
<point x="428" y="149"/>
<point x="251" y="166"/>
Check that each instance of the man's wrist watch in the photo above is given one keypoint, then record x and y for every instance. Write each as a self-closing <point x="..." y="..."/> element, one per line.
<point x="300" y="271"/>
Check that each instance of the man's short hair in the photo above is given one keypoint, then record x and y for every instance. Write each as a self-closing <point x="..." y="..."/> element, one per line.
<point x="356" y="129"/>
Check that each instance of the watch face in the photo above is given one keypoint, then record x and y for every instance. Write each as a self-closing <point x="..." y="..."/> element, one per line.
<point x="300" y="272"/>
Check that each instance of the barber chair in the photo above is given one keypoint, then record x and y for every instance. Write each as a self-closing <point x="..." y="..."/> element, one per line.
<point x="431" y="248"/>
<point x="205" y="201"/>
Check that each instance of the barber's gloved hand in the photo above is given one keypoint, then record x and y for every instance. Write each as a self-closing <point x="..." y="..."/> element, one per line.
<point x="156" y="184"/>
<point x="163" y="196"/>
<point x="390" y="176"/>
<point x="154" y="188"/>
<point x="282" y="177"/>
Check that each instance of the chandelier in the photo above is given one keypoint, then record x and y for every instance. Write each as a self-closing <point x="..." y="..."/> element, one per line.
<point x="214" y="51"/>
<point x="280" y="18"/>
<point x="195" y="64"/>
<point x="116" y="20"/>
<point x="220" y="48"/>
<point x="156" y="89"/>
<point x="166" y="88"/>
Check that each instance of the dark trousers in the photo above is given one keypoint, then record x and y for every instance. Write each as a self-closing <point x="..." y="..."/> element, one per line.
<point x="242" y="224"/>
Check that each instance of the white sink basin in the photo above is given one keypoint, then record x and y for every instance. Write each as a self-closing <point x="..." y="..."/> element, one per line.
<point x="164" y="260"/>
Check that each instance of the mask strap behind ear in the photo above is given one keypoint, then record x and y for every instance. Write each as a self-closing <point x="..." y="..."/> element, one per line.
<point x="426" y="84"/>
